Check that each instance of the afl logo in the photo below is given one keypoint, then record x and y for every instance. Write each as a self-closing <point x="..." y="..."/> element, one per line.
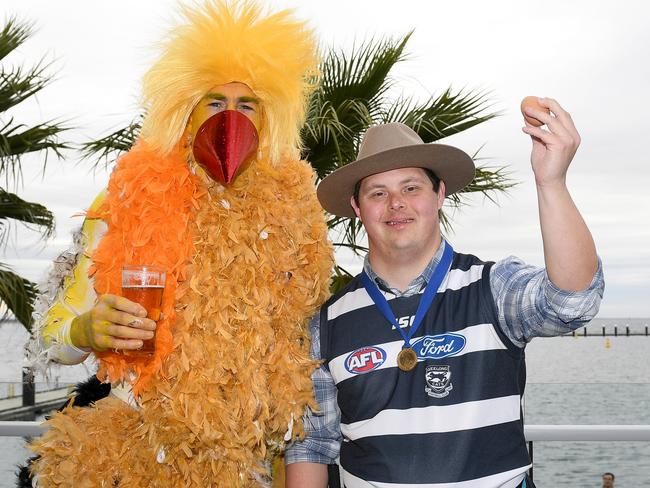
<point x="364" y="360"/>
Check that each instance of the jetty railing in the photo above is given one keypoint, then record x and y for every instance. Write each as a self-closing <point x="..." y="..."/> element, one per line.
<point x="614" y="331"/>
<point x="15" y="428"/>
<point x="533" y="433"/>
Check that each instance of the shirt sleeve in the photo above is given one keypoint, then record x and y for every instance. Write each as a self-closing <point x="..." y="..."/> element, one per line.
<point x="75" y="296"/>
<point x="530" y="305"/>
<point x="322" y="440"/>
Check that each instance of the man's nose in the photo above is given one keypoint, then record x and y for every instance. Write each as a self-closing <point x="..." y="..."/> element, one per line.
<point x="396" y="202"/>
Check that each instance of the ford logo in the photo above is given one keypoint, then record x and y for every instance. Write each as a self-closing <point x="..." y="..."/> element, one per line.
<point x="439" y="346"/>
<point x="365" y="359"/>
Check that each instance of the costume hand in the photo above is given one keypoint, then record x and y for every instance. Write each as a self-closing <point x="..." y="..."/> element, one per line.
<point x="553" y="147"/>
<point x="113" y="323"/>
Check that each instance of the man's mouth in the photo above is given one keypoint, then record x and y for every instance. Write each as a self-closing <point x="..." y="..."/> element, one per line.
<point x="394" y="222"/>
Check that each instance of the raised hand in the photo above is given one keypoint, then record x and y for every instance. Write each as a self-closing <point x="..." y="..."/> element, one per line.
<point x="553" y="146"/>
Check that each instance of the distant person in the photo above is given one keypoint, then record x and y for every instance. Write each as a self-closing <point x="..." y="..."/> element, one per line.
<point x="608" y="480"/>
<point x="439" y="404"/>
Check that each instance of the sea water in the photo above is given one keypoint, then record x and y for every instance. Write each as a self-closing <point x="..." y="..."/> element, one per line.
<point x="571" y="380"/>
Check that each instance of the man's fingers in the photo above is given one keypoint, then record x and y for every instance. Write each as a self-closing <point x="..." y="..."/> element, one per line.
<point x="124" y="304"/>
<point x="110" y="335"/>
<point x="553" y="106"/>
<point x="126" y="344"/>
<point x="119" y="331"/>
<point x="543" y="135"/>
<point x="119" y="323"/>
<point x="554" y="124"/>
<point x="123" y="318"/>
<point x="120" y="343"/>
<point x="561" y="115"/>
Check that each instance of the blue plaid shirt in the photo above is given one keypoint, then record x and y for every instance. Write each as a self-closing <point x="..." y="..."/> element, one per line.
<point x="528" y="305"/>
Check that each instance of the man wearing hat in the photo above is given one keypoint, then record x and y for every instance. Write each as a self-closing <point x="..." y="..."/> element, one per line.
<point x="423" y="352"/>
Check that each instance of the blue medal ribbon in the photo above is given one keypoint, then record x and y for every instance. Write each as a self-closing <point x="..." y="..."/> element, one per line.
<point x="425" y="301"/>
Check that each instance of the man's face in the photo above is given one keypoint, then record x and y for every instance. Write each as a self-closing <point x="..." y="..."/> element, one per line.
<point x="608" y="481"/>
<point x="399" y="210"/>
<point x="231" y="96"/>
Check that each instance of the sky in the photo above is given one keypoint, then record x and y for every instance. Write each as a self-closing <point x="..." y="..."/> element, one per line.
<point x="592" y="56"/>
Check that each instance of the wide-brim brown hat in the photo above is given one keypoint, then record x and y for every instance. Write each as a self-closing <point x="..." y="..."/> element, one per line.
<point x="391" y="146"/>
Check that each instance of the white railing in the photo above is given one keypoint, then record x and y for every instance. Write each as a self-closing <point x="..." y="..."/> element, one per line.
<point x="587" y="433"/>
<point x="19" y="428"/>
<point x="533" y="433"/>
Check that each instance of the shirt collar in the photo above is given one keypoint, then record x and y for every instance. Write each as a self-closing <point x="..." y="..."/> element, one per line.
<point x="414" y="286"/>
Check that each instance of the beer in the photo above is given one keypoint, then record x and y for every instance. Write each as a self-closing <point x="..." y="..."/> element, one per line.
<point x="150" y="297"/>
<point x="145" y="285"/>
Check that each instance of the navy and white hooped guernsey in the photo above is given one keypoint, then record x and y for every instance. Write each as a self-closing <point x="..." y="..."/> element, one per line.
<point x="452" y="422"/>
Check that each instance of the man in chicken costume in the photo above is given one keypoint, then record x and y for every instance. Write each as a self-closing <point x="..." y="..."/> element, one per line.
<point x="214" y="193"/>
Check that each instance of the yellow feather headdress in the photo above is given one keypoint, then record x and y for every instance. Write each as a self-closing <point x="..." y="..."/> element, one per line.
<point x="224" y="41"/>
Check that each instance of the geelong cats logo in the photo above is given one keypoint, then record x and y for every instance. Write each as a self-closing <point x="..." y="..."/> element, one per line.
<point x="438" y="381"/>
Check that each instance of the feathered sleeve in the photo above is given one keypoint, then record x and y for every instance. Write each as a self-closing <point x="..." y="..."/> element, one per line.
<point x="67" y="294"/>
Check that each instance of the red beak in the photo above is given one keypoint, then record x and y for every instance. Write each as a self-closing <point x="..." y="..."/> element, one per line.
<point x="225" y="144"/>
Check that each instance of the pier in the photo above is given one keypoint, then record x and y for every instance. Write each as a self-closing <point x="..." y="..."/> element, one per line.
<point x="611" y="331"/>
<point x="28" y="407"/>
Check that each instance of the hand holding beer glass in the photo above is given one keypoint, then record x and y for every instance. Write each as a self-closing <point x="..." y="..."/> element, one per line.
<point x="144" y="284"/>
<point x="123" y="323"/>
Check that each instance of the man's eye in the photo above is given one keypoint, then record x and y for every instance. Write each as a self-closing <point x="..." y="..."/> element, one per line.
<point x="217" y="104"/>
<point x="411" y="188"/>
<point x="246" y="107"/>
<point x="378" y="194"/>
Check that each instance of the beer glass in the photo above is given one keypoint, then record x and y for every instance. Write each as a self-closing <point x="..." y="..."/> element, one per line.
<point x="144" y="284"/>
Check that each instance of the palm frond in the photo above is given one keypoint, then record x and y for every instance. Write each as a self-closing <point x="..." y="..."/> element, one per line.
<point x="340" y="279"/>
<point x="329" y="140"/>
<point x="347" y="232"/>
<point x="17" y="140"/>
<point x="490" y="181"/>
<point x="364" y="73"/>
<point x="348" y="101"/>
<point x="13" y="34"/>
<point x="442" y="116"/>
<point x="17" y="85"/>
<point x="14" y="208"/>
<point x="17" y="294"/>
<point x="106" y="150"/>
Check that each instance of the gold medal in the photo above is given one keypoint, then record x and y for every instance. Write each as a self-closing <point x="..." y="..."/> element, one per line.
<point x="407" y="359"/>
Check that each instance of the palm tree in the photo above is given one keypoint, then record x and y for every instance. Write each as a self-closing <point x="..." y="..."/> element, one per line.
<point x="354" y="94"/>
<point x="16" y="140"/>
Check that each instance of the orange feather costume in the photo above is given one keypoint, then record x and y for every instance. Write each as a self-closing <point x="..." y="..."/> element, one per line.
<point x="247" y="265"/>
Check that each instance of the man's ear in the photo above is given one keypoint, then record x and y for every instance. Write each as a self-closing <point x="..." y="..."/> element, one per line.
<point x="355" y="207"/>
<point x="442" y="193"/>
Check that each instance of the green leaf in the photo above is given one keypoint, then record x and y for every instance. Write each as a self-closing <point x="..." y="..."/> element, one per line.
<point x="13" y="35"/>
<point x="350" y="99"/>
<point x="17" y="140"/>
<point x="340" y="279"/>
<point x="442" y="116"/>
<point x="12" y="207"/>
<point x="108" y="148"/>
<point x="17" y="294"/>
<point x="16" y="86"/>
